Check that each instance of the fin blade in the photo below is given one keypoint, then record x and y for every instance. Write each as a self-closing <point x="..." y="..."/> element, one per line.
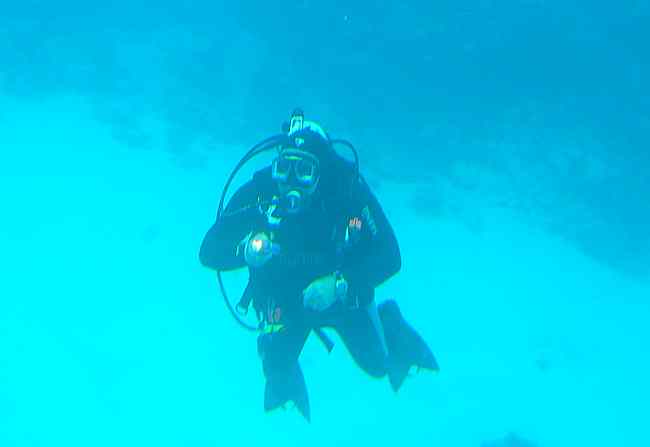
<point x="397" y="373"/>
<point x="291" y="387"/>
<point x="406" y="347"/>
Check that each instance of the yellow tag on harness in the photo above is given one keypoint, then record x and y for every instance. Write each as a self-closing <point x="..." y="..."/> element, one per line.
<point x="271" y="328"/>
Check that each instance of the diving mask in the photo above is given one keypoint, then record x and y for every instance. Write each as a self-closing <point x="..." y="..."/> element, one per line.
<point x="297" y="173"/>
<point x="296" y="168"/>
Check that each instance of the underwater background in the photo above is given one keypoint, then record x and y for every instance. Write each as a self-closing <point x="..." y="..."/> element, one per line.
<point x="508" y="143"/>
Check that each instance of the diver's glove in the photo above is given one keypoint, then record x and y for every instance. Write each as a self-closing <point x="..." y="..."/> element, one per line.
<point x="258" y="249"/>
<point x="325" y="291"/>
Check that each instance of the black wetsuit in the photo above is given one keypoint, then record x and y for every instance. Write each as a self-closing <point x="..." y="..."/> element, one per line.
<point x="312" y="244"/>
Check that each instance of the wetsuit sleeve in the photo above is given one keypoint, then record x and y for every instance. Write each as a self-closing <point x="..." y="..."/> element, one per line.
<point x="377" y="256"/>
<point x="219" y="247"/>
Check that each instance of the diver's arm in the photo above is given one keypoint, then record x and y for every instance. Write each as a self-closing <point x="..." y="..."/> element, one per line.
<point x="377" y="257"/>
<point x="219" y="249"/>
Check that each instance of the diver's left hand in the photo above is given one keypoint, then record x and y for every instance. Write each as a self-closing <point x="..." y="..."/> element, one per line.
<point x="321" y="293"/>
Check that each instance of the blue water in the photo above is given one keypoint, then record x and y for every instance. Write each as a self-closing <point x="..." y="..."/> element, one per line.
<point x="507" y="142"/>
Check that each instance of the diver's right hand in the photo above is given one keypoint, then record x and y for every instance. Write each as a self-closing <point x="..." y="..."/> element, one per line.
<point x="258" y="249"/>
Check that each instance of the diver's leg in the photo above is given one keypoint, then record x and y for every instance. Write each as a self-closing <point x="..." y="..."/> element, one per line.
<point x="284" y="379"/>
<point x="363" y="335"/>
<point x="406" y="347"/>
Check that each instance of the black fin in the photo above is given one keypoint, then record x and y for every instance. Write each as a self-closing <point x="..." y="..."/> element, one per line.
<point x="290" y="387"/>
<point x="397" y="372"/>
<point x="406" y="348"/>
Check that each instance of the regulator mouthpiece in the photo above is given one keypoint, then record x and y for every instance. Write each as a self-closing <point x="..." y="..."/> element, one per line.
<point x="293" y="201"/>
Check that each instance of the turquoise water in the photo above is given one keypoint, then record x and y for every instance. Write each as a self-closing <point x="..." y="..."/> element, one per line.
<point x="507" y="143"/>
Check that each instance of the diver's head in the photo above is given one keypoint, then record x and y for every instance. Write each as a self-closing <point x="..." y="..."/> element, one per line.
<point x="301" y="163"/>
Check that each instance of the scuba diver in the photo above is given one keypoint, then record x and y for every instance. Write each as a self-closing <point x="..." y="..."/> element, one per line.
<point x="316" y="243"/>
